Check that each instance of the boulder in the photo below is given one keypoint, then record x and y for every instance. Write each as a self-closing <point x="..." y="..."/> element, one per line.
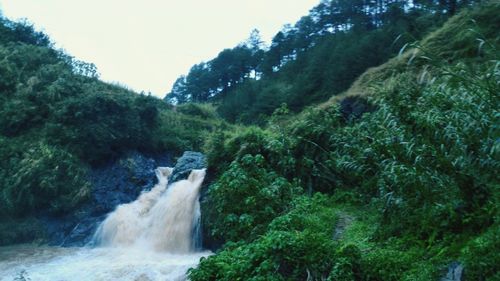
<point x="190" y="160"/>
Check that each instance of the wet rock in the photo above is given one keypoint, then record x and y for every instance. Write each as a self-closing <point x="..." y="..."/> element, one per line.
<point x="190" y="160"/>
<point x="121" y="182"/>
<point x="116" y="183"/>
<point x="455" y="271"/>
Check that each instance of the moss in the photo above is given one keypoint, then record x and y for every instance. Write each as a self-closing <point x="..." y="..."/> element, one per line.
<point x="26" y="230"/>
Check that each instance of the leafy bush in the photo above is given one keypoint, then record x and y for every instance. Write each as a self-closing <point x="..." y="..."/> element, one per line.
<point x="224" y="146"/>
<point x="481" y="256"/>
<point x="201" y="110"/>
<point x="296" y="246"/>
<point x="386" y="265"/>
<point x="102" y="126"/>
<point x="261" y="195"/>
<point x="278" y="255"/>
<point x="179" y="132"/>
<point x="22" y="32"/>
<point x="42" y="177"/>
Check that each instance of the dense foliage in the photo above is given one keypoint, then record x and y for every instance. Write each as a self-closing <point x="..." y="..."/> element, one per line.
<point x="409" y="187"/>
<point x="57" y="120"/>
<point x="262" y="195"/>
<point x="294" y="245"/>
<point x="319" y="56"/>
<point x="39" y="176"/>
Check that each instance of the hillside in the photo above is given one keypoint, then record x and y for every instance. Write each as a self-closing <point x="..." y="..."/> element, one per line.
<point x="406" y="191"/>
<point x="58" y="121"/>
<point x="318" y="57"/>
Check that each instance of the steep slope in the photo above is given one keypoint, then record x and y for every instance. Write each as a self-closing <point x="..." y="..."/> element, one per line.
<point x="57" y="120"/>
<point x="451" y="43"/>
<point x="306" y="63"/>
<point x="417" y="175"/>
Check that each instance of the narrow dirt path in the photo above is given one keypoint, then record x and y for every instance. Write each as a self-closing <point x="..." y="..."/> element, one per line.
<point x="344" y="221"/>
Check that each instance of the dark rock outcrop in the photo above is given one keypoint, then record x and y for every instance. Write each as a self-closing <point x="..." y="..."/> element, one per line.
<point x="353" y="108"/>
<point x="113" y="184"/>
<point x="190" y="160"/>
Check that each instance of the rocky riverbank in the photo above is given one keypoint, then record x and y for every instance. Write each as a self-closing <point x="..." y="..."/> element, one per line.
<point x="116" y="183"/>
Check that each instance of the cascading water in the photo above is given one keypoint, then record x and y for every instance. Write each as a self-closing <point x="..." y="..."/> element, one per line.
<point x="155" y="237"/>
<point x="160" y="220"/>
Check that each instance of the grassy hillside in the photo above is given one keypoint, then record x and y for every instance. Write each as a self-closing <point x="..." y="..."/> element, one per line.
<point x="57" y="120"/>
<point x="396" y="194"/>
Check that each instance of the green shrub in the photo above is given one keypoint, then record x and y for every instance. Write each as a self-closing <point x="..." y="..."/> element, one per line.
<point x="278" y="255"/>
<point x="224" y="146"/>
<point x="297" y="245"/>
<point x="481" y="256"/>
<point x="42" y="177"/>
<point x="179" y="132"/>
<point x="101" y="126"/>
<point x="386" y="265"/>
<point x="245" y="199"/>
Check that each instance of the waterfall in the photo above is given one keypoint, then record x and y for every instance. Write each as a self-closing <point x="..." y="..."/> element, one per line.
<point x="162" y="219"/>
<point x="155" y="237"/>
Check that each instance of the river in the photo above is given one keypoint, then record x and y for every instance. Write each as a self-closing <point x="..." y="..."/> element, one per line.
<point x="93" y="264"/>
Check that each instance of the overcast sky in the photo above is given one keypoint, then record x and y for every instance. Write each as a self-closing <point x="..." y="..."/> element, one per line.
<point x="147" y="44"/>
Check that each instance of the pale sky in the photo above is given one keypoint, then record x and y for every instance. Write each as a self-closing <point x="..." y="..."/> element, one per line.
<point x="147" y="44"/>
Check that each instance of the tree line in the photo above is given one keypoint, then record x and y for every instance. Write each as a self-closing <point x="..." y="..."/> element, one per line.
<point x="252" y="60"/>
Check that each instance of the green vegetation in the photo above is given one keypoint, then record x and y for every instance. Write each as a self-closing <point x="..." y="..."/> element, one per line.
<point x="396" y="194"/>
<point x="387" y="173"/>
<point x="57" y="120"/>
<point x="41" y="177"/>
<point x="295" y="245"/>
<point x="318" y="57"/>
<point x="263" y="195"/>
